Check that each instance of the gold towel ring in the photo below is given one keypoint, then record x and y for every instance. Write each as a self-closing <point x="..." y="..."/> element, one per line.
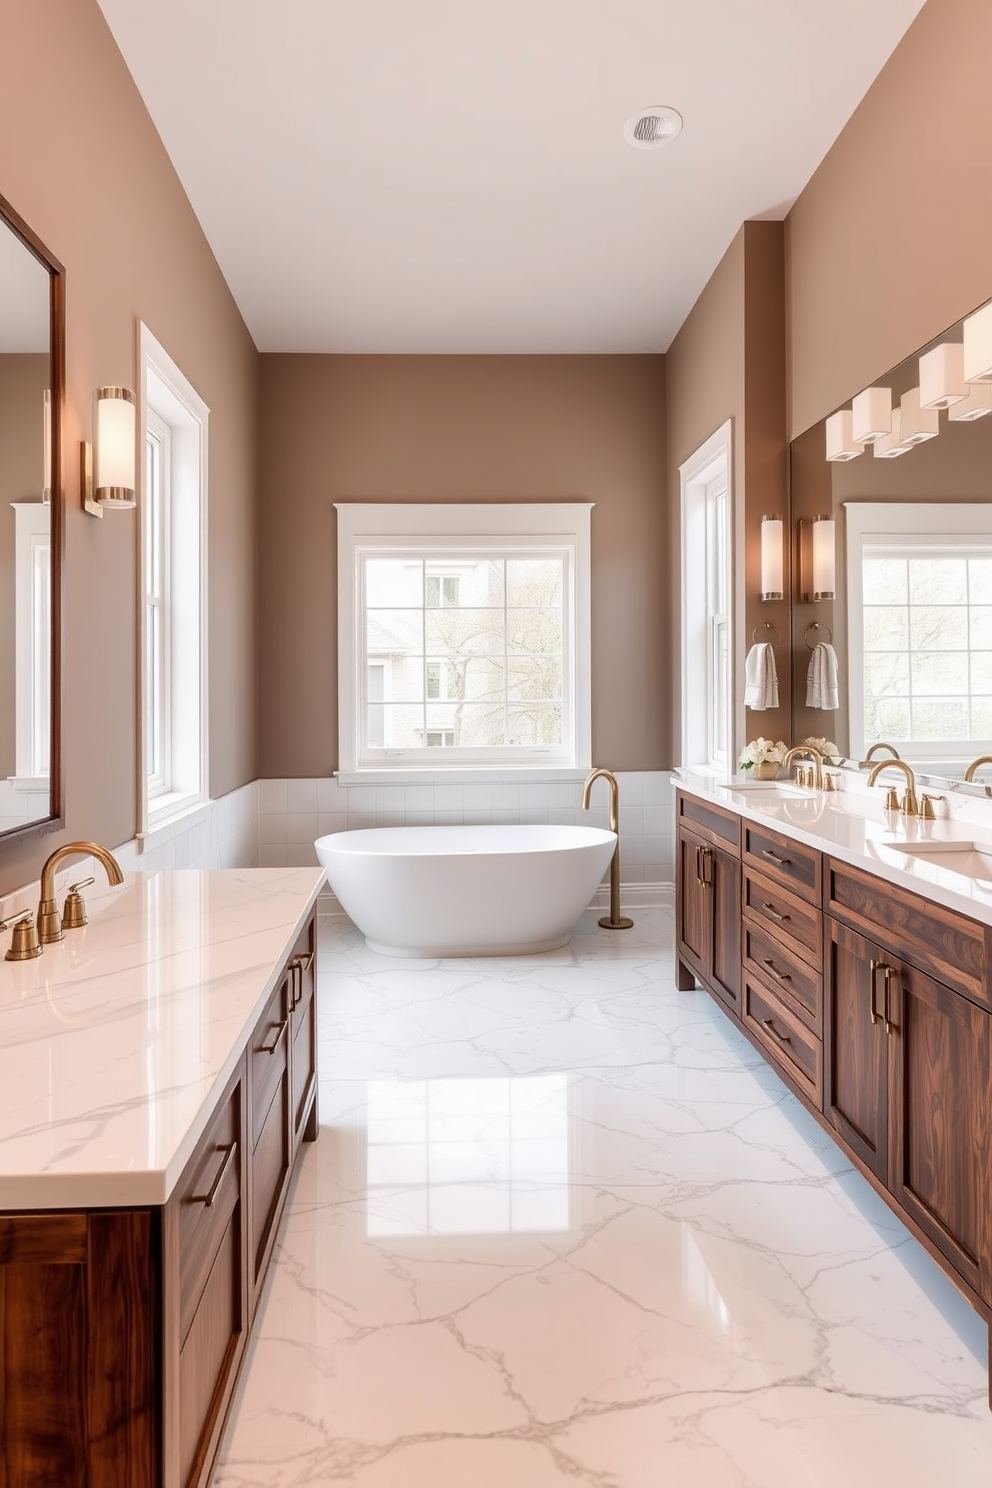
<point x="816" y="626"/>
<point x="768" y="626"/>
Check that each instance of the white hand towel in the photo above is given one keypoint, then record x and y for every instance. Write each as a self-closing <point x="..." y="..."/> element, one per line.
<point x="821" y="678"/>
<point x="761" y="678"/>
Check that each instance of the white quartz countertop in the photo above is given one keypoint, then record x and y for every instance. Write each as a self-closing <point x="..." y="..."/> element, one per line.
<point x="852" y="826"/>
<point x="115" y="1044"/>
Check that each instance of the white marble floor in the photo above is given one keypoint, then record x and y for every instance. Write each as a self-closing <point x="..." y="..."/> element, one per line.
<point x="562" y="1226"/>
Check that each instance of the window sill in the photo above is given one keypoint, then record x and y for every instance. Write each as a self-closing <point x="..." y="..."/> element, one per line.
<point x="170" y="816"/>
<point x="520" y="775"/>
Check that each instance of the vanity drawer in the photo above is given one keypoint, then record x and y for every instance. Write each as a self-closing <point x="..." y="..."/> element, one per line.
<point x="788" y="1043"/>
<point x="788" y="918"/>
<point x="206" y="1197"/>
<point x="268" y="1055"/>
<point x="711" y="822"/>
<point x="793" y="980"/>
<point x="955" y="950"/>
<point x="790" y="863"/>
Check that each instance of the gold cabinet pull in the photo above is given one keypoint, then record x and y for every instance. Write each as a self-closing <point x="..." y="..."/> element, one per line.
<point x="769" y="1023"/>
<point x="214" y="1189"/>
<point x="299" y="966"/>
<point x="273" y="1046"/>
<point x="766" y="852"/>
<point x="770" y="909"/>
<point x="877" y="1014"/>
<point x="303" y="963"/>
<point x="707" y="863"/>
<point x="780" y="976"/>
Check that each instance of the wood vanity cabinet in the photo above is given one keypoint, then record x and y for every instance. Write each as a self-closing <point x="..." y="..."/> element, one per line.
<point x="122" y="1332"/>
<point x="708" y="900"/>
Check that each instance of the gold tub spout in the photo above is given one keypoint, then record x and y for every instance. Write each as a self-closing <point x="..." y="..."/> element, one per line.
<point x="615" y="920"/>
<point x="49" y="922"/>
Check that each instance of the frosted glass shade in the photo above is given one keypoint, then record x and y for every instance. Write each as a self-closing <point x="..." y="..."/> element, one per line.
<point x="771" y="558"/>
<point x="871" y="415"/>
<point x="824" y="558"/>
<point x="977" y="404"/>
<point x="841" y="443"/>
<point x="890" y="445"/>
<point x="978" y="345"/>
<point x="115" y="447"/>
<point x="916" y="424"/>
<point x="942" y="376"/>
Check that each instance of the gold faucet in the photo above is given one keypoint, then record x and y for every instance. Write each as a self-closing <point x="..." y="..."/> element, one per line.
<point x="615" y="920"/>
<point x="908" y="805"/>
<point x="863" y="764"/>
<point x="983" y="759"/>
<point x="817" y="757"/>
<point x="49" y="923"/>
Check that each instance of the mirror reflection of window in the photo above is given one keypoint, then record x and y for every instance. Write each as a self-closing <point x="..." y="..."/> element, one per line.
<point x="485" y="1156"/>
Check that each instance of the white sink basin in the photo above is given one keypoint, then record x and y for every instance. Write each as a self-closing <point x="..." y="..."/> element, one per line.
<point x="771" y="789"/>
<point x="973" y="859"/>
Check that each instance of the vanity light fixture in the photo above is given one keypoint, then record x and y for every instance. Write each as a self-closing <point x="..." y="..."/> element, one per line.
<point x="942" y="376"/>
<point x="978" y="345"/>
<point x="841" y="443"/>
<point x="977" y="404"/>
<point x="916" y="424"/>
<point x="891" y="445"/>
<point x="771" y="558"/>
<point x="46" y="430"/>
<point x="817" y="559"/>
<point x="871" y="415"/>
<point x="114" y="459"/>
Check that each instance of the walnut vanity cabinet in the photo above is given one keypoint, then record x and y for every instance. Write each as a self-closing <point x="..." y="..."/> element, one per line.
<point x="122" y="1331"/>
<point x="708" y="900"/>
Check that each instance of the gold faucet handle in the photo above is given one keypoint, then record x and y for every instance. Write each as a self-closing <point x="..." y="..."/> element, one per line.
<point x="927" y="812"/>
<point x="891" y="799"/>
<point x="24" y="945"/>
<point x="74" y="914"/>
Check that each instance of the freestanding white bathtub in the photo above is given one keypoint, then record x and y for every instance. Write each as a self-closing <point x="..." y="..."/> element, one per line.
<point x="465" y="891"/>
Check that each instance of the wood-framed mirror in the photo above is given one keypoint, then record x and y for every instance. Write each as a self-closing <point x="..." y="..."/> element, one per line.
<point x="32" y="529"/>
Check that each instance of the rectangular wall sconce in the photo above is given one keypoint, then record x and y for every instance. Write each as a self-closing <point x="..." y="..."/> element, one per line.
<point x="114" y="457"/>
<point x="841" y="443"/>
<point x="46" y="434"/>
<point x="871" y="415"/>
<point x="890" y="445"/>
<point x="817" y="559"/>
<point x="978" y="345"/>
<point x="942" y="376"/>
<point x="977" y="404"/>
<point x="916" y="424"/>
<point x="771" y="558"/>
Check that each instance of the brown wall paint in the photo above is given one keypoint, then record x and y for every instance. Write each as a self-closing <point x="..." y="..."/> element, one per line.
<point x="891" y="241"/>
<point x="462" y="428"/>
<point x="728" y="362"/>
<point x="83" y="164"/>
<point x="23" y="379"/>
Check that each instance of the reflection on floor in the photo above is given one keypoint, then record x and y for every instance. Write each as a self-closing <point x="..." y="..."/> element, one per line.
<point x="563" y="1227"/>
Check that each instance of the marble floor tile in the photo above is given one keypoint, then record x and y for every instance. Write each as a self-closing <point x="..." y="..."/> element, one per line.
<point x="562" y="1226"/>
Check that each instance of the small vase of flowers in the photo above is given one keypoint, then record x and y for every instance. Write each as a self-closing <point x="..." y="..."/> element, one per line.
<point x="763" y="757"/>
<point x="827" y="750"/>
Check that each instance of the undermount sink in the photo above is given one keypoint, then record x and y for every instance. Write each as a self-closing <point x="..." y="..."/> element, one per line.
<point x="973" y="859"/>
<point x="772" y="788"/>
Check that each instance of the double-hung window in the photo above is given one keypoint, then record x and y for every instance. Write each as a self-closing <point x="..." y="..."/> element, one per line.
<point x="463" y="636"/>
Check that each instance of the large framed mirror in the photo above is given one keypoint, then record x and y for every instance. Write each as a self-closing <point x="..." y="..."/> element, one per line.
<point x="910" y="613"/>
<point x="32" y="379"/>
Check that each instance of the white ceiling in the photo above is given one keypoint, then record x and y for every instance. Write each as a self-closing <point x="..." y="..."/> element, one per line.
<point x="451" y="175"/>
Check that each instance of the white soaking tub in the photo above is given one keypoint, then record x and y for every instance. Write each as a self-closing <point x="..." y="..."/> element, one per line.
<point x="465" y="891"/>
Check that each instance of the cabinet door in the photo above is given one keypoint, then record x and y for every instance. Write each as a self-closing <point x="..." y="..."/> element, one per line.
<point x="939" y="1130"/>
<point x="694" y="907"/>
<point x="303" y="1027"/>
<point x="271" y="1138"/>
<point x="855" y="1055"/>
<point x="722" y="875"/>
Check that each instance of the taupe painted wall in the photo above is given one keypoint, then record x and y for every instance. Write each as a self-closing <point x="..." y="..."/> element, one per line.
<point x="82" y="163"/>
<point x="23" y="379"/>
<point x="891" y="241"/>
<point x="486" y="428"/>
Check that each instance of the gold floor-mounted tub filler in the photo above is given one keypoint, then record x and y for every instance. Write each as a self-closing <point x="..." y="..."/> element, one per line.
<point x="614" y="920"/>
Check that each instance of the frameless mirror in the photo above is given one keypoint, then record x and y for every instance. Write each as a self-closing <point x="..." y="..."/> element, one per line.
<point x="31" y="518"/>
<point x="911" y="615"/>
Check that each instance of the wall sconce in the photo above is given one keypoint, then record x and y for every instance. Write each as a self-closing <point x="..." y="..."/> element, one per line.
<point x="977" y="404"/>
<point x="978" y="345"/>
<point x="891" y="445"/>
<point x="817" y="559"/>
<point x="916" y="424"/>
<point x="942" y="376"/>
<point x="841" y="443"/>
<point x="46" y="433"/>
<point x="871" y="415"/>
<point x="115" y="454"/>
<point x="771" y="558"/>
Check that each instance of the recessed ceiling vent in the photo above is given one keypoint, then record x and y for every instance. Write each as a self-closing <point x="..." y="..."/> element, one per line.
<point x="652" y="127"/>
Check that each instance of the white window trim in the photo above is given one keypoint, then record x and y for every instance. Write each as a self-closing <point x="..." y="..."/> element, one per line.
<point x="408" y="525"/>
<point x="168" y="392"/>
<point x="862" y="521"/>
<point x="713" y="458"/>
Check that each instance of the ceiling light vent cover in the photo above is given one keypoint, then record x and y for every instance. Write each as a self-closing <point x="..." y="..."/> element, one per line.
<point x="652" y="127"/>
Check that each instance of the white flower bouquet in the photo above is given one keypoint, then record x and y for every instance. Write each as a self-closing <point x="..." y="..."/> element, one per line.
<point x="826" y="748"/>
<point x="763" y="757"/>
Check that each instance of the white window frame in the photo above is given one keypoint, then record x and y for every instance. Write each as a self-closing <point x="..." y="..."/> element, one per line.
<point x="931" y="526"/>
<point x="181" y="798"/>
<point x="709" y="468"/>
<point x="391" y="529"/>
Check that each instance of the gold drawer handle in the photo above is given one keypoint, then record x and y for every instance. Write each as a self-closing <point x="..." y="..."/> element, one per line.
<point x="271" y="1048"/>
<point x="783" y="1038"/>
<point x="214" y="1189"/>
<point x="780" y="976"/>
<point x="782" y="862"/>
<point x="773" y="911"/>
<point x="303" y="963"/>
